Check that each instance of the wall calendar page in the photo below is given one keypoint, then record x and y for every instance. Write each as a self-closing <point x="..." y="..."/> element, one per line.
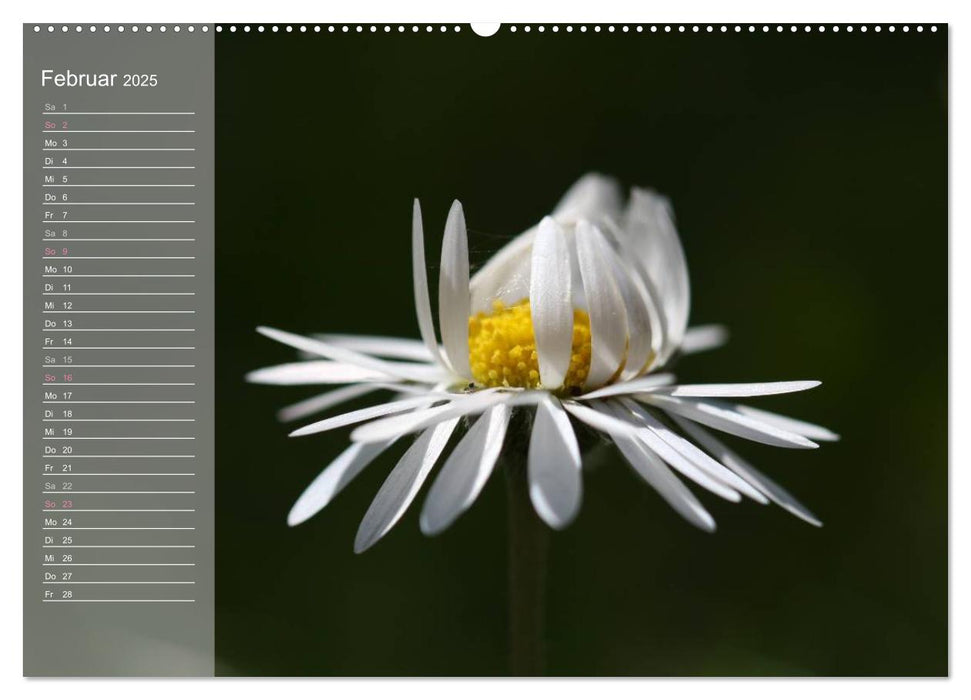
<point x="525" y="349"/>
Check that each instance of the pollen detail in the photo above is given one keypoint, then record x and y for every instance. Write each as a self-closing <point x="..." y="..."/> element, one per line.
<point x="502" y="348"/>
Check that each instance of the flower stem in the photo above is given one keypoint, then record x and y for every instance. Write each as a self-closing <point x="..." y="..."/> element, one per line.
<point x="528" y="546"/>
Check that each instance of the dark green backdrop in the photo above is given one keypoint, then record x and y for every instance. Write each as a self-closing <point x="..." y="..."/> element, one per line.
<point x="809" y="176"/>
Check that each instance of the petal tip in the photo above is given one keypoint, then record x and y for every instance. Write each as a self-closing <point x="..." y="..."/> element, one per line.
<point x="706" y="523"/>
<point x="803" y="513"/>
<point x="428" y="528"/>
<point x="362" y="543"/>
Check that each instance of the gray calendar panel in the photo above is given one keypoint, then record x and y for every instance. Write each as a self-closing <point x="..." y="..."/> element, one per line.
<point x="118" y="351"/>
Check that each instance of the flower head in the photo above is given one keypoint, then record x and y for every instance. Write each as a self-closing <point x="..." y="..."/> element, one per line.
<point x="573" y="320"/>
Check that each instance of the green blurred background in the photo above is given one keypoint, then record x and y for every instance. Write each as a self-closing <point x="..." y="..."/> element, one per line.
<point x="809" y="177"/>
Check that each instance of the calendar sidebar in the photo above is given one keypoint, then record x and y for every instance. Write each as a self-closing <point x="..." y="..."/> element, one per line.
<point x="118" y="350"/>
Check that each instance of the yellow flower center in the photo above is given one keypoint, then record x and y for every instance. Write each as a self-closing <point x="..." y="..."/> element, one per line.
<point x="502" y="348"/>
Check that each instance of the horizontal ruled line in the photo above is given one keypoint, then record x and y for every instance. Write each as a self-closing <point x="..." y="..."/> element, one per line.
<point x="127" y="492"/>
<point x="115" y="437"/>
<point x="121" y="457"/>
<point x="124" y="185"/>
<point x="68" y="566"/>
<point x="117" y="330"/>
<point x="117" y="221"/>
<point x="116" y="366"/>
<point x="51" y="150"/>
<point x="120" y="583"/>
<point x="119" y="131"/>
<point x="183" y="275"/>
<point x="73" y="474"/>
<point x="119" y="294"/>
<point x="56" y="113"/>
<point x="112" y="402"/>
<point x="119" y="510"/>
<point x="118" y="528"/>
<point x="118" y="546"/>
<point x="113" y="240"/>
<point x="119" y="257"/>
<point x="118" y="204"/>
<point x="70" y="384"/>
<point x="126" y="311"/>
<point x="117" y="600"/>
<point x="119" y="420"/>
<point x="119" y="167"/>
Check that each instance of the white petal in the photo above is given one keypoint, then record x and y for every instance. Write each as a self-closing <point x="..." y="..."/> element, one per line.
<point x="649" y="227"/>
<point x="809" y="430"/>
<point x="555" y="485"/>
<point x="594" y="197"/>
<point x="640" y="333"/>
<point x="602" y="420"/>
<point x="454" y="302"/>
<point x="314" y="372"/>
<point x="526" y="398"/>
<point x="402" y="485"/>
<point x="324" y="401"/>
<point x="381" y="346"/>
<point x="505" y="276"/>
<point x="729" y="420"/>
<point x="691" y="452"/>
<point x="608" y="319"/>
<point x="419" y="274"/>
<point x="633" y="386"/>
<point x="364" y="414"/>
<point x="551" y="305"/>
<point x="615" y="420"/>
<point x="740" y="389"/>
<point x="650" y="467"/>
<point x="395" y="426"/>
<point x="741" y="467"/>
<point x="404" y="370"/>
<point x="321" y="402"/>
<point x="465" y="472"/>
<point x="333" y="479"/>
<point x="702" y="338"/>
<point x="660" y="323"/>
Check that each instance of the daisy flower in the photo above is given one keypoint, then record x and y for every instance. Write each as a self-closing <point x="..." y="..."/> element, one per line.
<point x="575" y="322"/>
